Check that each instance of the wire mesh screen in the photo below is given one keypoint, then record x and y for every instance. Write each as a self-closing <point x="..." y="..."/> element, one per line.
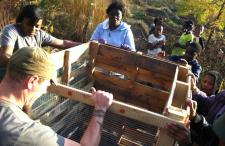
<point x="70" y="119"/>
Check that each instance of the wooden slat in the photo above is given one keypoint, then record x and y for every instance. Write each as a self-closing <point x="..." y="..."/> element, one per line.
<point x="140" y="103"/>
<point x="135" y="135"/>
<point x="183" y="71"/>
<point x="92" y="57"/>
<point x="150" y="95"/>
<point x="110" y="65"/>
<point x="164" y="138"/>
<point x="75" y="53"/>
<point x="180" y="94"/>
<point x="155" y="78"/>
<point x="161" y="67"/>
<point x="117" y="107"/>
<point x="157" y="96"/>
<point x="119" y="93"/>
<point x="172" y="91"/>
<point x="119" y="56"/>
<point x="66" y="68"/>
<point x="125" y="84"/>
<point x="127" y="142"/>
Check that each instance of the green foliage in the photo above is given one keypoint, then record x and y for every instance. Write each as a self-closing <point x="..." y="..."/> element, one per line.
<point x="139" y="14"/>
<point x="205" y="11"/>
<point x="172" y="22"/>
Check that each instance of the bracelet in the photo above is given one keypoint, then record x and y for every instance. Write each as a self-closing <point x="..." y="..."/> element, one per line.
<point x="99" y="113"/>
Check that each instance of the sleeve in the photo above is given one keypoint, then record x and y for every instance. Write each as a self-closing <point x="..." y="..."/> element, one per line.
<point x="40" y="135"/>
<point x="9" y="36"/>
<point x="174" y="58"/>
<point x="96" y="33"/>
<point x="196" y="70"/>
<point x="129" y="40"/>
<point x="46" y="38"/>
<point x="201" y="131"/>
<point x="204" y="101"/>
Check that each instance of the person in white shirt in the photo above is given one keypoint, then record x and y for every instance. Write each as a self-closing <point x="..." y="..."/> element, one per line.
<point x="156" y="41"/>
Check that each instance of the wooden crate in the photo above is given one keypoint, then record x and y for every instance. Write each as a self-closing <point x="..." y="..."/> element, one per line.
<point x="151" y="92"/>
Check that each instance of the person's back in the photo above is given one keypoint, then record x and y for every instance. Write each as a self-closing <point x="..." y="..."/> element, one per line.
<point x="16" y="128"/>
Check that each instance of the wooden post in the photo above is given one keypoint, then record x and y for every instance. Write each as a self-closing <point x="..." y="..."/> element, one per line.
<point x="66" y="68"/>
<point x="93" y="51"/>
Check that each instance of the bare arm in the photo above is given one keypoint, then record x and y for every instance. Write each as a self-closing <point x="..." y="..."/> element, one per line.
<point x="92" y="134"/>
<point x="64" y="44"/>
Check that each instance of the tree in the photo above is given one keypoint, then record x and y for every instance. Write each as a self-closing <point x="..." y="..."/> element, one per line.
<point x="208" y="12"/>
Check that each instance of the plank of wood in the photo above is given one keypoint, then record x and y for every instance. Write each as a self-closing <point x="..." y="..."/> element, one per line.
<point x="156" y="65"/>
<point x="127" y="142"/>
<point x="154" y="96"/>
<point x="110" y="65"/>
<point x="66" y="68"/>
<point x="113" y="80"/>
<point x="119" y="56"/>
<point x="119" y="93"/>
<point x="172" y="91"/>
<point x="117" y="107"/>
<point x="183" y="71"/>
<point x="75" y="53"/>
<point x="141" y="92"/>
<point x="164" y="139"/>
<point x="94" y="47"/>
<point x="138" y="135"/>
<point x="180" y="95"/>
<point x="155" y="78"/>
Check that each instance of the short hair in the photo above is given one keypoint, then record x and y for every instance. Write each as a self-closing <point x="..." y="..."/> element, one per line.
<point x="188" y="24"/>
<point x="116" y="5"/>
<point x="196" y="46"/>
<point x="32" y="12"/>
<point x="158" y="21"/>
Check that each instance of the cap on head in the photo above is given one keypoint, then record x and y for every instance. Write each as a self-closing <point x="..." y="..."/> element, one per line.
<point x="219" y="127"/>
<point x="32" y="61"/>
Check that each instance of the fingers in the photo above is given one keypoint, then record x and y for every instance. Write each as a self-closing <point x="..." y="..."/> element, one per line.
<point x="193" y="107"/>
<point x="102" y="99"/>
<point x="93" y="90"/>
<point x="184" y="61"/>
<point x="178" y="132"/>
<point x="193" y="81"/>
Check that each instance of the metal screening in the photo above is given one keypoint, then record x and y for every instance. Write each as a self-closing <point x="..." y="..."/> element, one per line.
<point x="70" y="119"/>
